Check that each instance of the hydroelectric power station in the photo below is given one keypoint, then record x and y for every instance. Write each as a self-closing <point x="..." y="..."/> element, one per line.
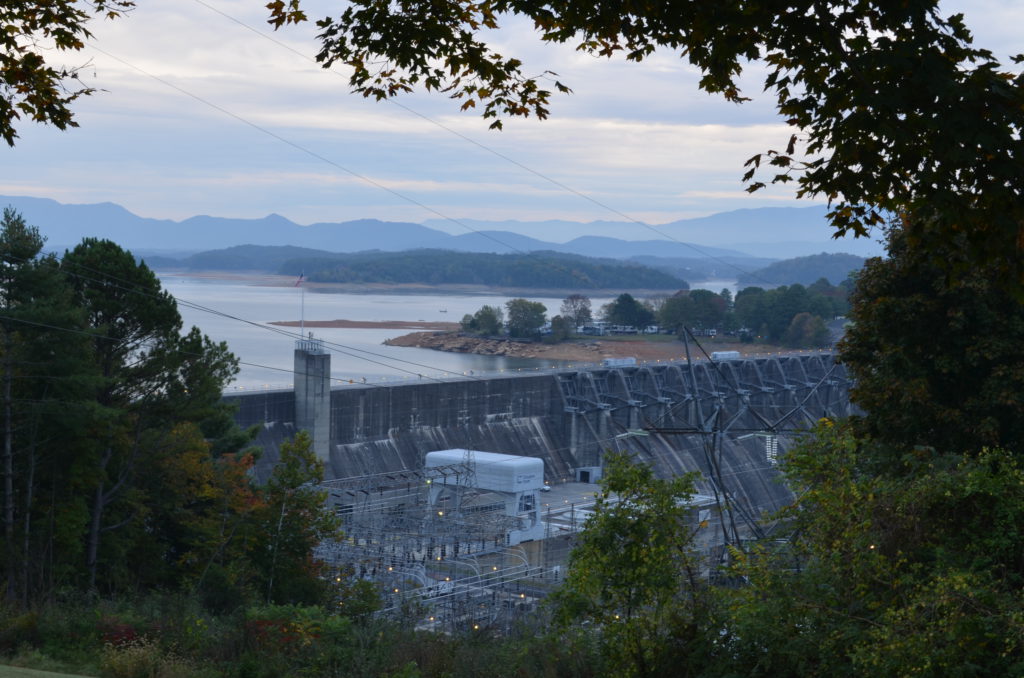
<point x="460" y="498"/>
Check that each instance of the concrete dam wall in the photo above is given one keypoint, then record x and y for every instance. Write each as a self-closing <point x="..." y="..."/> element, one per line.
<point x="727" y="420"/>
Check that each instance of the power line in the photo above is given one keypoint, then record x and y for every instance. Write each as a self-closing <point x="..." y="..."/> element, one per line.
<point x="440" y="125"/>
<point x="343" y="349"/>
<point x="715" y="477"/>
<point x="325" y="159"/>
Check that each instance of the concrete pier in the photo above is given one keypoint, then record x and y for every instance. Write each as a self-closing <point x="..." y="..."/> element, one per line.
<point x="313" y="394"/>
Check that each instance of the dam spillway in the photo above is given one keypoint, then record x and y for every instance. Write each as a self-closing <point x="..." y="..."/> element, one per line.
<point x="727" y="420"/>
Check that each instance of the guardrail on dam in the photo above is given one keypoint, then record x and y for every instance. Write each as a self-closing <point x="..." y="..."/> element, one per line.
<point x="725" y="419"/>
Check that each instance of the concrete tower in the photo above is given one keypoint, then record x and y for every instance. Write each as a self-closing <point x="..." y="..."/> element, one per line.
<point x="313" y="394"/>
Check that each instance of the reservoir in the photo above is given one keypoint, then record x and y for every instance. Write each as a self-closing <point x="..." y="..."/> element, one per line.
<point x="239" y="313"/>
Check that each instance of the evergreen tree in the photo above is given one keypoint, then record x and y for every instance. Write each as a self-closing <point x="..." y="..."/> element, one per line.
<point x="625" y="310"/>
<point x="40" y="386"/>
<point x="936" y="361"/>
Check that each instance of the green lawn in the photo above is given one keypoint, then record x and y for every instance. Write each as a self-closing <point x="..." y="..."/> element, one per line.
<point x="18" y="672"/>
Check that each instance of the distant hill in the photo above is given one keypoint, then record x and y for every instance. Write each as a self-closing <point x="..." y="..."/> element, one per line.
<point x="504" y="242"/>
<point x="437" y="267"/>
<point x="765" y="233"/>
<point x="65" y="225"/>
<point x="695" y="268"/>
<point x="263" y="258"/>
<point x="805" y="270"/>
<point x="433" y="267"/>
<point x="771" y="232"/>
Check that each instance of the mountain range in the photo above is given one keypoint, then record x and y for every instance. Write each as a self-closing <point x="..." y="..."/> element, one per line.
<point x="761" y="233"/>
<point x="774" y="232"/>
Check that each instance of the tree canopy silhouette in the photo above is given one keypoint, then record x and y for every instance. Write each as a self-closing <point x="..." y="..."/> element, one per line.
<point x="895" y="114"/>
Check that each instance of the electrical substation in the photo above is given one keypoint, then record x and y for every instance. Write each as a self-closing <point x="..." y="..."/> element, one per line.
<point x="460" y="499"/>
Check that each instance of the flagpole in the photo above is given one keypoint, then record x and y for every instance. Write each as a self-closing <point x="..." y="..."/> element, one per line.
<point x="302" y="314"/>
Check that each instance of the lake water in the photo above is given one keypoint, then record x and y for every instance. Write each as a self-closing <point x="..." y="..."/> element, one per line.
<point x="356" y="354"/>
<point x="240" y="314"/>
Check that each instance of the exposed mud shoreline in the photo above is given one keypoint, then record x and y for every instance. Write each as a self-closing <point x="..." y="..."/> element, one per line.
<point x="443" y="336"/>
<point x="455" y="343"/>
<point x="579" y="350"/>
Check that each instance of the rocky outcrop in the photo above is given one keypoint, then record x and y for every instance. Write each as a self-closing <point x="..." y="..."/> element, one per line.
<point x="459" y="343"/>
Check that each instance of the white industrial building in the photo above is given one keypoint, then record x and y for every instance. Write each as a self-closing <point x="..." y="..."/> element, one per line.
<point x="514" y="481"/>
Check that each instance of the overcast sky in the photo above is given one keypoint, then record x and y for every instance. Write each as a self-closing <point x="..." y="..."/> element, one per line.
<point x="641" y="139"/>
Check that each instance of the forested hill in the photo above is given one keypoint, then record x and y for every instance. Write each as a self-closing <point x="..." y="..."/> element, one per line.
<point x="440" y="267"/>
<point x="806" y="270"/>
<point x="432" y="267"/>
<point x="267" y="259"/>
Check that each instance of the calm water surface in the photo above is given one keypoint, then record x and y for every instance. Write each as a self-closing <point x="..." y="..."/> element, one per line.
<point x="356" y="354"/>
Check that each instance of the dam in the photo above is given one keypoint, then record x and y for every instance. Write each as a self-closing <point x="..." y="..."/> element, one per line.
<point x="729" y="421"/>
<point x="665" y="413"/>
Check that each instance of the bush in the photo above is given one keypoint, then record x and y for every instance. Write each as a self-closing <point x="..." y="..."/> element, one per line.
<point x="296" y="636"/>
<point x="143" y="658"/>
<point x="17" y="630"/>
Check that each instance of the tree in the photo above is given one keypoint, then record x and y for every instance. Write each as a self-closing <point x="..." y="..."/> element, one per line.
<point x="708" y="309"/>
<point x="488" y="321"/>
<point x="30" y="86"/>
<point x="751" y="308"/>
<point x="147" y="378"/>
<point x="20" y="244"/>
<point x="625" y="310"/>
<point x="35" y="373"/>
<point x="910" y="569"/>
<point x="677" y="312"/>
<point x="893" y="110"/>
<point x="576" y="310"/>
<point x="196" y="507"/>
<point x="727" y="298"/>
<point x="100" y="389"/>
<point x="136" y="325"/>
<point x="935" y="362"/>
<point x="785" y="303"/>
<point x="525" y="318"/>
<point x="634" y="574"/>
<point x="293" y="522"/>
<point x="561" y="329"/>
<point x="806" y="331"/>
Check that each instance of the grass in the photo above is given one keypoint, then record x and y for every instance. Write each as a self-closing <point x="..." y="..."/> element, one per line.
<point x="18" y="672"/>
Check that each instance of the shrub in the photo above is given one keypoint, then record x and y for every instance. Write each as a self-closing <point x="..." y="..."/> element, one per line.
<point x="143" y="658"/>
<point x="17" y="630"/>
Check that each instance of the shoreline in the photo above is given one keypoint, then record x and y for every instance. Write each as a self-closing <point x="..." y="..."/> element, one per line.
<point x="573" y="350"/>
<point x="444" y="336"/>
<point x="260" y="279"/>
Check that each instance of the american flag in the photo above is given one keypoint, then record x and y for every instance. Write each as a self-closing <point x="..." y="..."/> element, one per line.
<point x="299" y="281"/>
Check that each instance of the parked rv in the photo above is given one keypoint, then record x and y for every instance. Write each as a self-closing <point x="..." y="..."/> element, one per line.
<point x="725" y="355"/>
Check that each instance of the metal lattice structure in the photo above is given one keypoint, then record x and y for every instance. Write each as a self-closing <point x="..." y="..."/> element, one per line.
<point x="442" y="564"/>
<point x="730" y="420"/>
<point x="441" y="558"/>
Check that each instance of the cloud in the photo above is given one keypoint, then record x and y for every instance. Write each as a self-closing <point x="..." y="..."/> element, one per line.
<point x="639" y="138"/>
<point x="763" y="194"/>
